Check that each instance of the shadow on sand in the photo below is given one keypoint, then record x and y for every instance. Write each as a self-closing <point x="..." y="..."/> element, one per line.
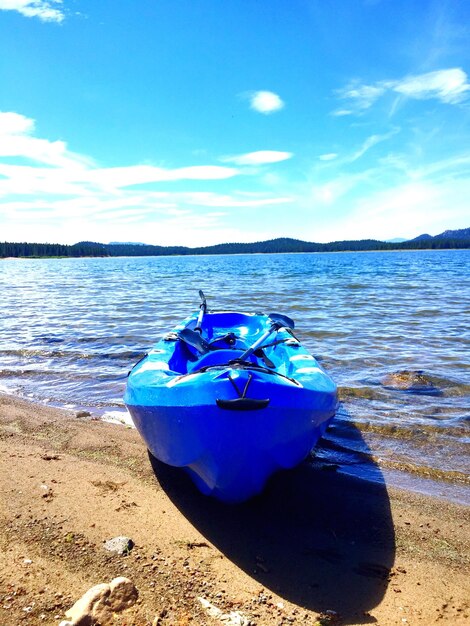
<point x="316" y="537"/>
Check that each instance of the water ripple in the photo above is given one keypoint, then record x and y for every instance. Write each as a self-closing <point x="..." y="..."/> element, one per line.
<point x="391" y="328"/>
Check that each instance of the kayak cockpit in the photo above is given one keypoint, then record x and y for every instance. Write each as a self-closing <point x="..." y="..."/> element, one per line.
<point x="216" y="325"/>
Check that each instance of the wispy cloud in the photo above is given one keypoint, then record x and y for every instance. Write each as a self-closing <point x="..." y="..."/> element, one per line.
<point x="361" y="97"/>
<point x="265" y="102"/>
<point x="397" y="196"/>
<point x="45" y="188"/>
<point x="260" y="157"/>
<point x="65" y="169"/>
<point x="45" y="10"/>
<point x="369" y="143"/>
<point x="119" y="177"/>
<point x="335" y="161"/>
<point x="236" y="200"/>
<point x="449" y="86"/>
<point x="410" y="208"/>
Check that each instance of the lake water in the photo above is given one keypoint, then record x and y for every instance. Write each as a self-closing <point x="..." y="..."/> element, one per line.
<point x="391" y="328"/>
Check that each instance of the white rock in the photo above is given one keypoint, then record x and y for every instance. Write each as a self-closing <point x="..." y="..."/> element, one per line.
<point x="82" y="610"/>
<point x="234" y="618"/>
<point x="100" y="602"/>
<point x="123" y="594"/>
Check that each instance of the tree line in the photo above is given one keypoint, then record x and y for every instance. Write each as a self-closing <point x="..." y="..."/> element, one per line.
<point x="92" y="249"/>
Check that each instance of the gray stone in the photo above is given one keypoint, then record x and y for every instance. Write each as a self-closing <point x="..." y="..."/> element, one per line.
<point x="120" y="545"/>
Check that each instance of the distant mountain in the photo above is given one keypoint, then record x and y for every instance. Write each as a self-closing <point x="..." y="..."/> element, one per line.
<point x="462" y="233"/>
<point x="421" y="238"/>
<point x="88" y="243"/>
<point x="396" y="240"/>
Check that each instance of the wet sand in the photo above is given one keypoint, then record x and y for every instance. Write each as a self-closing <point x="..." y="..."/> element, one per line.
<point x="315" y="541"/>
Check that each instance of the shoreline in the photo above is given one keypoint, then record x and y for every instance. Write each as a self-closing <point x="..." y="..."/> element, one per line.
<point x="315" y="541"/>
<point x="397" y="476"/>
<point x="223" y="254"/>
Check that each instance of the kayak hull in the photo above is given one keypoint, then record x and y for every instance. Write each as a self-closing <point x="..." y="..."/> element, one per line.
<point x="229" y="444"/>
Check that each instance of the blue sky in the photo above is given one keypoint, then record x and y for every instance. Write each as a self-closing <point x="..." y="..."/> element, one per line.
<point x="203" y="121"/>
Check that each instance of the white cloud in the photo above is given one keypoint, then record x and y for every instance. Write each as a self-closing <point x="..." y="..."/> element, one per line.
<point x="48" y="192"/>
<point x="70" y="173"/>
<point x="449" y="86"/>
<point x="330" y="156"/>
<point x="16" y="141"/>
<point x="265" y="102"/>
<point x="259" y="157"/>
<point x="45" y="10"/>
<point x="362" y="96"/>
<point x="342" y="112"/>
<point x="191" y="228"/>
<point x="119" y="177"/>
<point x="14" y="123"/>
<point x="70" y="180"/>
<point x="210" y="199"/>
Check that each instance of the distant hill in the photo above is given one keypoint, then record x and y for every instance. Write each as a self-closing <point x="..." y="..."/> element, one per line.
<point x="396" y="240"/>
<point x="421" y="238"/>
<point x="448" y="239"/>
<point x="462" y="233"/>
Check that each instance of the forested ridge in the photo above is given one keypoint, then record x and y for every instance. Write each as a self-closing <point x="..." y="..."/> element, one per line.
<point x="447" y="240"/>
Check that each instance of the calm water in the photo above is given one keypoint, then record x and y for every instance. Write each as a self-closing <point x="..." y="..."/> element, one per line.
<point x="392" y="329"/>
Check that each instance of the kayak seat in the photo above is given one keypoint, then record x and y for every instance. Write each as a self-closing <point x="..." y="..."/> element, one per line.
<point x="217" y="357"/>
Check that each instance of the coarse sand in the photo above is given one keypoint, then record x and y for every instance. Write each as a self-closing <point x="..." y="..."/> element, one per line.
<point x="317" y="547"/>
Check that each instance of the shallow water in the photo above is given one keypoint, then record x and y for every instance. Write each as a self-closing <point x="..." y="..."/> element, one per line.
<point x="390" y="327"/>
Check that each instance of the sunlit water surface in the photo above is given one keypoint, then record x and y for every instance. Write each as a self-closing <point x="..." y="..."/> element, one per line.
<point x="391" y="328"/>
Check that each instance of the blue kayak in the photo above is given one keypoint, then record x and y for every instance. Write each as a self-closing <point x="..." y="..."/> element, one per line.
<point x="232" y="397"/>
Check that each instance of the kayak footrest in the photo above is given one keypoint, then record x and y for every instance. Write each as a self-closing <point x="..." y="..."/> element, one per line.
<point x="242" y="404"/>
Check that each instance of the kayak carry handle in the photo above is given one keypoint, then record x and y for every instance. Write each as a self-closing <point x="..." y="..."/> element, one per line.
<point x="242" y="404"/>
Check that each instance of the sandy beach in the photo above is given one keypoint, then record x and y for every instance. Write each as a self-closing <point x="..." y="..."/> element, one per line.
<point x="316" y="548"/>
